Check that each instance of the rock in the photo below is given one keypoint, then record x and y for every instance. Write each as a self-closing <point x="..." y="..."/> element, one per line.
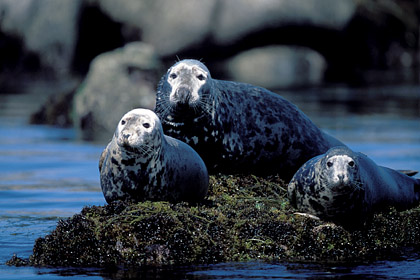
<point x="168" y="25"/>
<point x="237" y="18"/>
<point x="245" y="218"/>
<point x="48" y="38"/>
<point x="278" y="67"/>
<point x="56" y="110"/>
<point x="15" y="261"/>
<point x="174" y="26"/>
<point x="48" y="28"/>
<point x="117" y="82"/>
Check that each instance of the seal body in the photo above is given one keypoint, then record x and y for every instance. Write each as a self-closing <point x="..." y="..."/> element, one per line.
<point x="236" y="127"/>
<point x="141" y="163"/>
<point x="347" y="187"/>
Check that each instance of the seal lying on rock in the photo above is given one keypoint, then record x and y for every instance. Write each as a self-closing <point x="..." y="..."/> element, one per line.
<point x="141" y="163"/>
<point x="236" y="127"/>
<point x="347" y="187"/>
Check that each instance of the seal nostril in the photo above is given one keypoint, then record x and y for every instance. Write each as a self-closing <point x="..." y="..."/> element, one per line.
<point x="340" y="177"/>
<point x="126" y="136"/>
<point x="183" y="95"/>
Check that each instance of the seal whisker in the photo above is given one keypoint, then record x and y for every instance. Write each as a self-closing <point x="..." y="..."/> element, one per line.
<point x="163" y="109"/>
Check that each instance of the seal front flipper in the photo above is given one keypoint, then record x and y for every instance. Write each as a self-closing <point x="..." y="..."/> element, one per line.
<point x="410" y="173"/>
<point x="307" y="215"/>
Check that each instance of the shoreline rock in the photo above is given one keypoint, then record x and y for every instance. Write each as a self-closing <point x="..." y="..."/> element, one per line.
<point x="244" y="218"/>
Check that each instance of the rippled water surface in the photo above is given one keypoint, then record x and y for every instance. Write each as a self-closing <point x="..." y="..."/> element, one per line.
<point x="46" y="173"/>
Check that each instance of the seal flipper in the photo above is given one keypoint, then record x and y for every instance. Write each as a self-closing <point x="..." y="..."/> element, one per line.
<point x="410" y="173"/>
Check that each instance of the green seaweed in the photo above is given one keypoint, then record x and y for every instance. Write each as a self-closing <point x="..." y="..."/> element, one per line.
<point x="243" y="218"/>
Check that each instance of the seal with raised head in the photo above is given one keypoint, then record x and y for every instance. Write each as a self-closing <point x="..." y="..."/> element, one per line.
<point x="236" y="127"/>
<point x="141" y="163"/>
<point x="348" y="187"/>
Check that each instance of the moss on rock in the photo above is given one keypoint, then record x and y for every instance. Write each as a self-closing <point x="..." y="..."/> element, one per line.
<point x="243" y="218"/>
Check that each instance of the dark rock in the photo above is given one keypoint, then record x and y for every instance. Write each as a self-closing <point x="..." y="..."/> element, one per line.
<point x="15" y="261"/>
<point x="56" y="111"/>
<point x="117" y="82"/>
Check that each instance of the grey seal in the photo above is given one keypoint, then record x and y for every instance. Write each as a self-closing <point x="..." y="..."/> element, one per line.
<point x="236" y="127"/>
<point x="348" y="187"/>
<point x="141" y="163"/>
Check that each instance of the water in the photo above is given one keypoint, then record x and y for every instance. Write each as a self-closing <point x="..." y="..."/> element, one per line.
<point x="46" y="173"/>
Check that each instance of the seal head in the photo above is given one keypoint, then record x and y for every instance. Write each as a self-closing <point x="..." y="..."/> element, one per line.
<point x="340" y="173"/>
<point x="139" y="132"/>
<point x="185" y="92"/>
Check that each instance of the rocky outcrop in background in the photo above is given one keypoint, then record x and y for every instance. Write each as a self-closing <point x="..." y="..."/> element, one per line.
<point x="117" y="82"/>
<point x="272" y="43"/>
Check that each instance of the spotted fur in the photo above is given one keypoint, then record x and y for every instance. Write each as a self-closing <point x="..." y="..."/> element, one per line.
<point x="347" y="187"/>
<point x="236" y="127"/>
<point x="141" y="163"/>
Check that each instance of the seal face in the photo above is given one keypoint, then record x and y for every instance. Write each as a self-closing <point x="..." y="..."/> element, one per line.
<point x="141" y="163"/>
<point x="236" y="127"/>
<point x="346" y="187"/>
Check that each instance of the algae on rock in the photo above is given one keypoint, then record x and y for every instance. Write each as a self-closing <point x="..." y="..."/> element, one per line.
<point x="243" y="218"/>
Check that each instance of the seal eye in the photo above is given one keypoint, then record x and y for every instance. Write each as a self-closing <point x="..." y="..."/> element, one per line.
<point x="351" y="163"/>
<point x="329" y="164"/>
<point x="201" y="77"/>
<point x="123" y="122"/>
<point x="146" y="125"/>
<point x="173" y="76"/>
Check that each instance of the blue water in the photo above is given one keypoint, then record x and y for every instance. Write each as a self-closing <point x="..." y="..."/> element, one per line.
<point x="46" y="173"/>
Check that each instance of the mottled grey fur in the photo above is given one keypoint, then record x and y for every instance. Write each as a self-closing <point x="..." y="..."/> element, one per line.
<point x="141" y="163"/>
<point x="347" y="187"/>
<point x="236" y="127"/>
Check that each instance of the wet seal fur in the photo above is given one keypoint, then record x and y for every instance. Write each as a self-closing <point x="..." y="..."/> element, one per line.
<point x="236" y="127"/>
<point x="348" y="187"/>
<point x="141" y="163"/>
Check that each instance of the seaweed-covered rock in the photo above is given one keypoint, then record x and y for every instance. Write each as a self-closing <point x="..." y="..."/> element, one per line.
<point x="244" y="218"/>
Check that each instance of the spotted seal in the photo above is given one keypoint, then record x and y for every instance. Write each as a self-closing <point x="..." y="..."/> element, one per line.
<point x="236" y="127"/>
<point x="141" y="163"/>
<point x="347" y="187"/>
